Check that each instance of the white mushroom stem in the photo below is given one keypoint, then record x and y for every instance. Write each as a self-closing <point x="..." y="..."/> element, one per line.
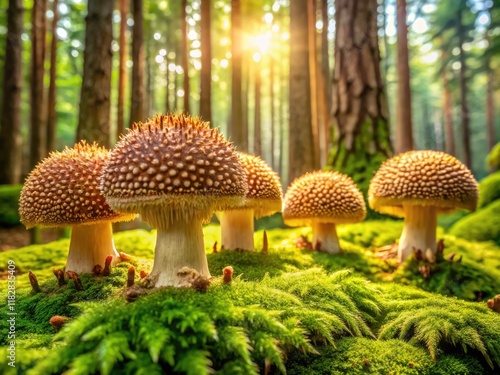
<point x="325" y="237"/>
<point x="178" y="245"/>
<point x="237" y="229"/>
<point x="90" y="244"/>
<point x="419" y="232"/>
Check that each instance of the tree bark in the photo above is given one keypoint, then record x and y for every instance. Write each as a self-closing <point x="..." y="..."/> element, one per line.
<point x="404" y="128"/>
<point x="359" y="106"/>
<point x="95" y="103"/>
<point x="235" y="128"/>
<point x="38" y="141"/>
<point x="301" y="144"/>
<point x="273" y="111"/>
<point x="490" y="108"/>
<point x="257" y="135"/>
<point x="51" y="110"/>
<point x="138" y="87"/>
<point x="185" y="55"/>
<point x="122" y="69"/>
<point x="313" y="61"/>
<point x="206" y="62"/>
<point x="10" y="125"/>
<point x="448" y="117"/>
<point x="465" y="116"/>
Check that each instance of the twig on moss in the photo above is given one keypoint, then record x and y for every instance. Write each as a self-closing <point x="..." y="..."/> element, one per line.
<point x="227" y="274"/>
<point x="143" y="274"/>
<point x="214" y="248"/>
<point x="107" y="266"/>
<point x="76" y="280"/>
<point x="58" y="322"/>
<point x="34" y="283"/>
<point x="59" y="274"/>
<point x="96" y="271"/>
<point x="265" y="244"/>
<point x="130" y="276"/>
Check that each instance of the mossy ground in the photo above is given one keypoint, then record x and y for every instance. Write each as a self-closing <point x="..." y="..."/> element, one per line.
<point x="289" y="309"/>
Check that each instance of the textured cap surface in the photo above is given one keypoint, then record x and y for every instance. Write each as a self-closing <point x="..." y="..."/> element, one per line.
<point x="264" y="194"/>
<point x="325" y="196"/>
<point x="426" y="178"/>
<point x="173" y="161"/>
<point x="63" y="189"/>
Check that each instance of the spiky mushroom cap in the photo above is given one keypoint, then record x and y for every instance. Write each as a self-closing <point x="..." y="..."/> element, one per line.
<point x="63" y="189"/>
<point x="422" y="178"/>
<point x="324" y="196"/>
<point x="173" y="164"/>
<point x="264" y="194"/>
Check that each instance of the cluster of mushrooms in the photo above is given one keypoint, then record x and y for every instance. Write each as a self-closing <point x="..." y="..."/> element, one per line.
<point x="176" y="172"/>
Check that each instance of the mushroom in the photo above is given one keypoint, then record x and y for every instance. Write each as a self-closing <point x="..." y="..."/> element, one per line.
<point x="323" y="199"/>
<point x="263" y="198"/>
<point x="419" y="185"/>
<point x="63" y="190"/>
<point x="175" y="172"/>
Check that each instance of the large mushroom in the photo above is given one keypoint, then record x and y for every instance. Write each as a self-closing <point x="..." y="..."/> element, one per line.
<point x="175" y="172"/>
<point x="323" y="199"/>
<point x="419" y="185"/>
<point x="263" y="198"/>
<point x="63" y="190"/>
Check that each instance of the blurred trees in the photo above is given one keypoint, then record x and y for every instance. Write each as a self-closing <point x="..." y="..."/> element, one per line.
<point x="206" y="61"/>
<point x="138" y="89"/>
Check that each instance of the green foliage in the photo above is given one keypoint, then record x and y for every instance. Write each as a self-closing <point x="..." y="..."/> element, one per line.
<point x="494" y="157"/>
<point x="482" y="225"/>
<point x="489" y="190"/>
<point x="442" y="325"/>
<point x="233" y="328"/>
<point x="447" y="221"/>
<point x="357" y="355"/>
<point x="9" y="198"/>
<point x="371" y="233"/>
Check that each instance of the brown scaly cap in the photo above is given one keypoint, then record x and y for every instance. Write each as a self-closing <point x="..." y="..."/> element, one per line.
<point x="63" y="189"/>
<point x="264" y="194"/>
<point x="424" y="178"/>
<point x="173" y="161"/>
<point x="327" y="196"/>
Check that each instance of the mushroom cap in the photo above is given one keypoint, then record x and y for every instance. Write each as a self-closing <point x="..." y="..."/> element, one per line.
<point x="63" y="189"/>
<point x="424" y="178"/>
<point x="173" y="162"/>
<point x="264" y="193"/>
<point x="325" y="197"/>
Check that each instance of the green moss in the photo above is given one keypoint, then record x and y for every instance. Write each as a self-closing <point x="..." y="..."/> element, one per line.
<point x="482" y="225"/>
<point x="365" y="356"/>
<point x="494" y="157"/>
<point x="489" y="190"/>
<point x="447" y="221"/>
<point x="9" y="198"/>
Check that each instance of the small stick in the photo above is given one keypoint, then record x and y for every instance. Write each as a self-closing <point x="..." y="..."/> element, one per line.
<point x="214" y="248"/>
<point x="265" y="244"/>
<point x="59" y="274"/>
<point x="227" y="273"/>
<point x="74" y="276"/>
<point x="97" y="270"/>
<point x="107" y="266"/>
<point x="34" y="282"/>
<point x="143" y="274"/>
<point x="130" y="276"/>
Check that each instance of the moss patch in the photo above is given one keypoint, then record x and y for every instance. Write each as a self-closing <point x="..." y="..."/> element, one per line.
<point x="9" y="198"/>
<point x="482" y="225"/>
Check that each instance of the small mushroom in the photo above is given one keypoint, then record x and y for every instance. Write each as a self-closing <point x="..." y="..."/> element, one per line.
<point x="419" y="185"/>
<point x="63" y="190"/>
<point x="175" y="172"/>
<point x="323" y="199"/>
<point x="263" y="198"/>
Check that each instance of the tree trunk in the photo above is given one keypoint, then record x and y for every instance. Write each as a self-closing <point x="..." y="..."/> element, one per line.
<point x="10" y="122"/>
<point x="448" y="117"/>
<point x="185" y="55"/>
<point x="206" y="62"/>
<point x="313" y="61"/>
<point x="150" y="99"/>
<point x="122" y="70"/>
<point x="38" y="125"/>
<point x="235" y="129"/>
<point x="490" y="108"/>
<point x="93" y="121"/>
<point x="51" y="110"/>
<point x="324" y="88"/>
<point x="138" y="88"/>
<point x="301" y="144"/>
<point x="273" y="112"/>
<point x="359" y="106"/>
<point x="463" y="93"/>
<point x="386" y="41"/>
<point x="404" y="128"/>
<point x="257" y="137"/>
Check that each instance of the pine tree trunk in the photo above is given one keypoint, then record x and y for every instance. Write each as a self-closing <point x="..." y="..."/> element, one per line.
<point x="257" y="136"/>
<point x="95" y="101"/>
<point x="51" y="110"/>
<point x="138" y="87"/>
<point x="122" y="69"/>
<point x="10" y="122"/>
<point x="448" y="118"/>
<point x="185" y="55"/>
<point x="235" y="129"/>
<point x="311" y="33"/>
<point x="206" y="62"/>
<point x="490" y="109"/>
<point x="38" y="141"/>
<point x="324" y="88"/>
<point x="273" y="112"/>
<point x="359" y="106"/>
<point x="404" y="128"/>
<point x="463" y="93"/>
<point x="301" y="143"/>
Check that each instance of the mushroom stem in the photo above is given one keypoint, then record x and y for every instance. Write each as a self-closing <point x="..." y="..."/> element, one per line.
<point x="237" y="229"/>
<point x="178" y="245"/>
<point x="325" y="237"/>
<point x="419" y="232"/>
<point x="90" y="244"/>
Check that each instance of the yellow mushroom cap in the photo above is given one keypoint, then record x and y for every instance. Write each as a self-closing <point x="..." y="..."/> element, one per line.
<point x="264" y="193"/>
<point x="325" y="196"/>
<point x="173" y="161"/>
<point x="424" y="178"/>
<point x="63" y="189"/>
